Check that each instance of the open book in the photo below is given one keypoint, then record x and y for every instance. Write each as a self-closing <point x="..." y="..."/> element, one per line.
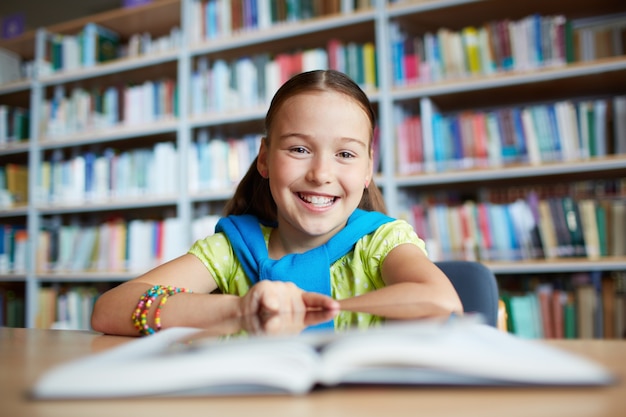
<point x="184" y="361"/>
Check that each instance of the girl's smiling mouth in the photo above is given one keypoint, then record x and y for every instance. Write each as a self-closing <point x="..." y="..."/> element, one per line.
<point x="317" y="200"/>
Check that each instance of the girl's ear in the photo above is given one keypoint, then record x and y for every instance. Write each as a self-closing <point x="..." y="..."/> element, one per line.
<point x="261" y="162"/>
<point x="370" y="169"/>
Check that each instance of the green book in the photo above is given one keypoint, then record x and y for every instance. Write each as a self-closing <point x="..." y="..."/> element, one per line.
<point x="569" y="321"/>
<point x="570" y="53"/>
<point x="602" y="232"/>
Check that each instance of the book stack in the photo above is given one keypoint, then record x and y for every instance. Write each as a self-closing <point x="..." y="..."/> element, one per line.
<point x="109" y="175"/>
<point x="11" y="307"/>
<point x="10" y="66"/>
<point x="14" y="124"/>
<point x="114" y="246"/>
<point x="250" y="82"/>
<point x="219" y="163"/>
<point x="96" y="44"/>
<point x="65" y="308"/>
<point x="530" y="43"/>
<point x="214" y="19"/>
<point x="540" y="223"/>
<point x="588" y="305"/>
<point x="13" y="241"/>
<point x="96" y="110"/>
<point x="563" y="131"/>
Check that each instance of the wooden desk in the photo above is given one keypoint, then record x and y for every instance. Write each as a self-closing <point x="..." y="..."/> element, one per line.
<point x="26" y="353"/>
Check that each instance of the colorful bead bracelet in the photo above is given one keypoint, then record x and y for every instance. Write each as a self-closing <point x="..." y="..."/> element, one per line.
<point x="140" y="315"/>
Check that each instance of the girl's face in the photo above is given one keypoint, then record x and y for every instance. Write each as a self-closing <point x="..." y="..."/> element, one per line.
<point x="318" y="162"/>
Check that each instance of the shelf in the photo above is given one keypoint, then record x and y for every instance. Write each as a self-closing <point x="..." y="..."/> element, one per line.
<point x="607" y="164"/>
<point x="13" y="212"/>
<point x="121" y="132"/>
<point x="578" y="72"/>
<point x="15" y="87"/>
<point x="12" y="148"/>
<point x="108" y="68"/>
<point x="216" y="195"/>
<point x="12" y="278"/>
<point x="234" y="116"/>
<point x="571" y="265"/>
<point x="81" y="277"/>
<point x="126" y="203"/>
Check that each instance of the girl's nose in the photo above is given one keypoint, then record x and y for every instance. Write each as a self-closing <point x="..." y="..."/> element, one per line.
<point x="320" y="171"/>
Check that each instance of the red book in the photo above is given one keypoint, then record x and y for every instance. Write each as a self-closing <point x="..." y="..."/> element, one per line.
<point x="485" y="230"/>
<point x="544" y="295"/>
<point x="481" y="149"/>
<point x="417" y="142"/>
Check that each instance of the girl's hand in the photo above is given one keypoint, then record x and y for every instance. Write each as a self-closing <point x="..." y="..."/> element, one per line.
<point x="270" y="297"/>
<point x="283" y="324"/>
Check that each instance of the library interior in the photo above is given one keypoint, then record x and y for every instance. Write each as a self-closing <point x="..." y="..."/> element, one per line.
<point x="125" y="127"/>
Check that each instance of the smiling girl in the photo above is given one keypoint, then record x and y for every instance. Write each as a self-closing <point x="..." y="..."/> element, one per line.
<point x="304" y="230"/>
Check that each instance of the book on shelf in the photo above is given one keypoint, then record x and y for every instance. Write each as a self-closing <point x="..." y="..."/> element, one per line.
<point x="566" y="222"/>
<point x="619" y="116"/>
<point x="10" y="66"/>
<point x="66" y="308"/>
<point x="586" y="305"/>
<point x="428" y="352"/>
<point x="11" y="308"/>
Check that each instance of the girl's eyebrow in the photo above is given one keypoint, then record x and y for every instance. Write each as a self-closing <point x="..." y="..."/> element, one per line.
<point x="344" y="139"/>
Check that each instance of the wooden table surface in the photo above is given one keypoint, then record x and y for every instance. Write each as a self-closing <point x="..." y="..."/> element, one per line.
<point x="25" y="354"/>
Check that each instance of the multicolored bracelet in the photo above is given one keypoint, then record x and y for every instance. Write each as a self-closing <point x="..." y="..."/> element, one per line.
<point x="140" y="315"/>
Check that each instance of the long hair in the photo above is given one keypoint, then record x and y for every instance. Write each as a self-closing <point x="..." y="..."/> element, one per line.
<point x="253" y="195"/>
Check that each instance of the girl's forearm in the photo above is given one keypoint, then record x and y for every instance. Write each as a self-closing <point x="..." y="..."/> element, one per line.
<point x="113" y="310"/>
<point x="404" y="301"/>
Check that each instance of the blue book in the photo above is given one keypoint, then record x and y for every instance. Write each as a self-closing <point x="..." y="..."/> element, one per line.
<point x="211" y="20"/>
<point x="520" y="139"/>
<point x="557" y="152"/>
<point x="90" y="159"/>
<point x="457" y="151"/>
<point x="538" y="35"/>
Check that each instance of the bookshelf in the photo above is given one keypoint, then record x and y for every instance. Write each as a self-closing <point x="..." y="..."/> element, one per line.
<point x="197" y="118"/>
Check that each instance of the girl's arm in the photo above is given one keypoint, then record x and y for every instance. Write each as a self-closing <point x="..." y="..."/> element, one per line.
<point x="410" y="278"/>
<point x="113" y="309"/>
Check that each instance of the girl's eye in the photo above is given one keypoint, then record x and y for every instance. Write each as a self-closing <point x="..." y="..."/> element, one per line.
<point x="345" y="154"/>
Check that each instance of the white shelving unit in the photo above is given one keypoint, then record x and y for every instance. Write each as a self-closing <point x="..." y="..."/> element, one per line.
<point x="371" y="24"/>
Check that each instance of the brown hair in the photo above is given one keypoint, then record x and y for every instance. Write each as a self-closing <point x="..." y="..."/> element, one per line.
<point x="253" y="195"/>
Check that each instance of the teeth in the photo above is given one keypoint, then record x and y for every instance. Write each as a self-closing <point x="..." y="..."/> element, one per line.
<point x="317" y="200"/>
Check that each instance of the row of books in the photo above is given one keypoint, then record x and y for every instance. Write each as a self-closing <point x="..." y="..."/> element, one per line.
<point x="566" y="130"/>
<point x="96" y="44"/>
<point x="13" y="185"/>
<point x="110" y="174"/>
<point x="11" y="68"/>
<point x="251" y="81"/>
<point x="84" y="111"/>
<point x="115" y="245"/>
<point x="213" y="163"/>
<point x="13" y="241"/>
<point x="65" y="308"/>
<point x="585" y="305"/>
<point x="213" y="19"/>
<point x="504" y="45"/>
<point x="218" y="163"/>
<point x="11" y="307"/>
<point x="14" y="124"/>
<point x="527" y="228"/>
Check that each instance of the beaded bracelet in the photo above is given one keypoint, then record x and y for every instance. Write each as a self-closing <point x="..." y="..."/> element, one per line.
<point x="140" y="315"/>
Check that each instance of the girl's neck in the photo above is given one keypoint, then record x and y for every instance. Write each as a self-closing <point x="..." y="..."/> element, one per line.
<point x="280" y="245"/>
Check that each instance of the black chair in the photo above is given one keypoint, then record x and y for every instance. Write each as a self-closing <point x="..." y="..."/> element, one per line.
<point x="476" y="286"/>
